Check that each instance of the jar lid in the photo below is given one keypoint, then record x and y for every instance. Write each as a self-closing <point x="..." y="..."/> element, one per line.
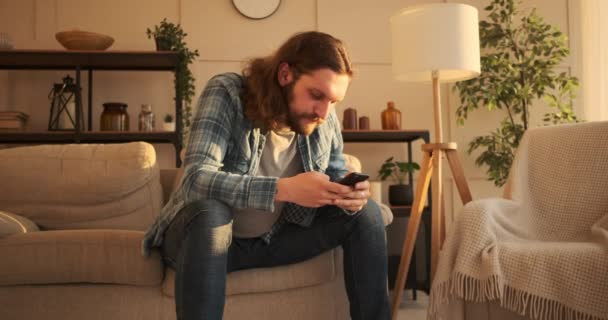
<point x="115" y="104"/>
<point x="146" y="107"/>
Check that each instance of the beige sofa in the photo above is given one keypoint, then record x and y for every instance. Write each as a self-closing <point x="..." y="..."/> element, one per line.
<point x="92" y="203"/>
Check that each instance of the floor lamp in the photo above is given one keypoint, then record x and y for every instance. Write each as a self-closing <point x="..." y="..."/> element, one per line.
<point x="433" y="43"/>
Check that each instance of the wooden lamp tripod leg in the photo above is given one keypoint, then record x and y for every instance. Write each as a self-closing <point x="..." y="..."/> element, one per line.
<point x="436" y="217"/>
<point x="431" y="166"/>
<point x="422" y="186"/>
<point x="458" y="174"/>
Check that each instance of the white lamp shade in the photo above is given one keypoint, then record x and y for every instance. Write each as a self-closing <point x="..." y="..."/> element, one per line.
<point x="441" y="37"/>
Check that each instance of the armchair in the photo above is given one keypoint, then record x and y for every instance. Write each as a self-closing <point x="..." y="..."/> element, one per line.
<point x="541" y="252"/>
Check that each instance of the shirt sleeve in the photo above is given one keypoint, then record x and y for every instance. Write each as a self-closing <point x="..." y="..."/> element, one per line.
<point x="336" y="167"/>
<point x="212" y="128"/>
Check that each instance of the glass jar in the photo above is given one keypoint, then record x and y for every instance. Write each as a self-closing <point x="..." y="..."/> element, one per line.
<point x="114" y="117"/>
<point x="391" y="117"/>
<point x="146" y="118"/>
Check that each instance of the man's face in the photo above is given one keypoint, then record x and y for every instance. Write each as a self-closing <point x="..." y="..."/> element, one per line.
<point x="312" y="97"/>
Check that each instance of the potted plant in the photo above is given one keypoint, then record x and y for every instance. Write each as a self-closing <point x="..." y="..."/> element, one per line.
<point x="170" y="37"/>
<point x="168" y="123"/>
<point x="399" y="194"/>
<point x="520" y="57"/>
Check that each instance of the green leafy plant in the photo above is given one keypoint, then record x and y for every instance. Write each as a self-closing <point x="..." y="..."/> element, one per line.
<point x="519" y="55"/>
<point x="168" y="118"/>
<point x="170" y="37"/>
<point x="397" y="170"/>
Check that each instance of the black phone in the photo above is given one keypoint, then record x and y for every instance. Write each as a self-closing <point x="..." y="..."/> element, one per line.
<point x="352" y="178"/>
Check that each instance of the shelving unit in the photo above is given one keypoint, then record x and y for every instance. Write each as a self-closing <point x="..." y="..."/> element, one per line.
<point x="400" y="136"/>
<point x="89" y="61"/>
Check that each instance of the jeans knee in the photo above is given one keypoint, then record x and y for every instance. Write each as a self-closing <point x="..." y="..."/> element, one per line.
<point x="207" y="213"/>
<point x="372" y="215"/>
<point x="210" y="223"/>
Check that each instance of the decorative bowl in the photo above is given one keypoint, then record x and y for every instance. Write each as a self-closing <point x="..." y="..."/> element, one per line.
<point x="83" y="40"/>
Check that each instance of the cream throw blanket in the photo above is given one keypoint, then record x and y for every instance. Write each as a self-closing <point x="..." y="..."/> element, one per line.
<point x="543" y="250"/>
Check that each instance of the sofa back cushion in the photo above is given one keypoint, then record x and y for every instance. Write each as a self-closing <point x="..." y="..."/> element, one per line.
<point x="82" y="186"/>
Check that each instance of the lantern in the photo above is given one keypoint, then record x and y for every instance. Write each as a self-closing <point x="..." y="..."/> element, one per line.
<point x="65" y="106"/>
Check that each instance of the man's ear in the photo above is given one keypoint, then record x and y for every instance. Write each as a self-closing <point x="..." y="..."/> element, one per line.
<point x="284" y="75"/>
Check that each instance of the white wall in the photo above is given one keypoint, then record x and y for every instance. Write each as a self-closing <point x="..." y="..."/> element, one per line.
<point x="225" y="39"/>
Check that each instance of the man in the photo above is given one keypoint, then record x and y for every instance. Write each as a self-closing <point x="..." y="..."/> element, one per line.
<point x="258" y="187"/>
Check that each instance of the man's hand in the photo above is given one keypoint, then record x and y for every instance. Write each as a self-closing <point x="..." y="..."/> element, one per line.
<point x="311" y="189"/>
<point x="356" y="198"/>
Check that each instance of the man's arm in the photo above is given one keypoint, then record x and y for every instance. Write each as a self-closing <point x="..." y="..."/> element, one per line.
<point x="210" y="135"/>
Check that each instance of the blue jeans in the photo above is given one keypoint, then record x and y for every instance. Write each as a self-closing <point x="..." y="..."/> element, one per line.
<point x="200" y="247"/>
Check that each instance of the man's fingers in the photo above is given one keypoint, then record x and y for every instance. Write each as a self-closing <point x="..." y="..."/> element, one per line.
<point x="357" y="194"/>
<point x="337" y="188"/>
<point x="330" y="195"/>
<point x="363" y="185"/>
<point x="345" y="203"/>
<point x="324" y="202"/>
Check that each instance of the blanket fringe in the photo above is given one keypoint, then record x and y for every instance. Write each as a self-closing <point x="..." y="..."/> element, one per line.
<point x="524" y="303"/>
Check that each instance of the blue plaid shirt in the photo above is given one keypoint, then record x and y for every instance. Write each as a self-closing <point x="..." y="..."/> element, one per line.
<point x="223" y="156"/>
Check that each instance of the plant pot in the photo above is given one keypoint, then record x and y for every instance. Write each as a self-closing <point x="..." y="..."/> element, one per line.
<point x="400" y="195"/>
<point x="162" y="43"/>
<point x="168" y="126"/>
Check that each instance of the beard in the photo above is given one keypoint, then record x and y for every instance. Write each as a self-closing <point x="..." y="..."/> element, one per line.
<point x="301" y="123"/>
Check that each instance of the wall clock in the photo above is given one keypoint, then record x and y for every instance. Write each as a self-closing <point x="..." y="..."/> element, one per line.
<point x="256" y="9"/>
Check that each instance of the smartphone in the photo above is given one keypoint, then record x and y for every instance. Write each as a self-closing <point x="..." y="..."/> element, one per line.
<point x="352" y="178"/>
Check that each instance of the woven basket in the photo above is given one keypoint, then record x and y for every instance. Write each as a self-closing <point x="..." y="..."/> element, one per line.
<point x="83" y="40"/>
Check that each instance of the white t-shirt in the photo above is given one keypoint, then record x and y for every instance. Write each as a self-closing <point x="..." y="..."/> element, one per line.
<point x="280" y="158"/>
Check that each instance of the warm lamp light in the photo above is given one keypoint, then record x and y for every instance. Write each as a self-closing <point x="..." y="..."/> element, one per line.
<point x="433" y="43"/>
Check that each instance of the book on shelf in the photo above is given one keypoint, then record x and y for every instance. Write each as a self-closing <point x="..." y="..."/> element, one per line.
<point x="12" y="124"/>
<point x="9" y="115"/>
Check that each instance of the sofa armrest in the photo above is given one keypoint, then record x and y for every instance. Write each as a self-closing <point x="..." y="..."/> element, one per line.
<point x="387" y="214"/>
<point x="11" y="223"/>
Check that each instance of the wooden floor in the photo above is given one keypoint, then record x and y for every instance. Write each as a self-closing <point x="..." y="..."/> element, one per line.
<point x="413" y="310"/>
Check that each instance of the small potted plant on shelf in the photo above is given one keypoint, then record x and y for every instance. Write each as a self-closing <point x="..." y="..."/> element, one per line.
<point x="170" y="37"/>
<point x="399" y="194"/>
<point x="168" y="123"/>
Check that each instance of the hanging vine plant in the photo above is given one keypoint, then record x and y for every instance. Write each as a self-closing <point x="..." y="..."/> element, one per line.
<point x="170" y="37"/>
<point x="520" y="53"/>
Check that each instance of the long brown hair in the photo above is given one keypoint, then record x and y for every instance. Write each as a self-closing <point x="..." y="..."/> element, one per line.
<point x="264" y="99"/>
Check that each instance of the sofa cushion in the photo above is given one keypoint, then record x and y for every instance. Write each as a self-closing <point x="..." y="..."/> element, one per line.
<point x="320" y="269"/>
<point x="77" y="256"/>
<point x="11" y="223"/>
<point x="82" y="186"/>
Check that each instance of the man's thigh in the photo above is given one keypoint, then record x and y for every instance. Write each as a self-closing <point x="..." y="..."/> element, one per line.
<point x="293" y="243"/>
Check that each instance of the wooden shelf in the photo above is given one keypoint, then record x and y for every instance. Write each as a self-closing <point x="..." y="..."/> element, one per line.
<point x="89" y="61"/>
<point x="384" y="135"/>
<point x="23" y="137"/>
<point x="98" y="60"/>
